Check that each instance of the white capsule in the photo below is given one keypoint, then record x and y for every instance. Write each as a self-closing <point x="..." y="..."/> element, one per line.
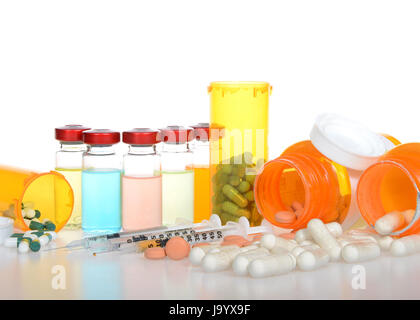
<point x="298" y="250"/>
<point x="360" y="251"/>
<point x="324" y="239"/>
<point x="406" y="246"/>
<point x="28" y="213"/>
<point x="44" y="240"/>
<point x="312" y="259"/>
<point x="11" y="242"/>
<point x="242" y="260"/>
<point x="389" y="223"/>
<point x="306" y="243"/>
<point x="219" y="261"/>
<point x="197" y="253"/>
<point x="53" y="234"/>
<point x="385" y="242"/>
<point x="249" y="248"/>
<point x="270" y="241"/>
<point x="333" y="227"/>
<point x="272" y="265"/>
<point x="23" y="246"/>
<point x="278" y="250"/>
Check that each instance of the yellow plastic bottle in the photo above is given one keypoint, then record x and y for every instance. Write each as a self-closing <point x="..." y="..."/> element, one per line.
<point x="238" y="146"/>
<point x="49" y="192"/>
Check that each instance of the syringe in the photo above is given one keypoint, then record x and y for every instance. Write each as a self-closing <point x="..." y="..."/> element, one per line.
<point x="206" y="231"/>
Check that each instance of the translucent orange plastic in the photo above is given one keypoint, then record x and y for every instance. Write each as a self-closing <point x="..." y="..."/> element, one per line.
<point x="303" y="174"/>
<point x="49" y="192"/>
<point x="391" y="184"/>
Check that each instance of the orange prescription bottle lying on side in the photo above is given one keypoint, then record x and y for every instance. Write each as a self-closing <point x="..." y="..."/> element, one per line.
<point x="49" y="192"/>
<point x="321" y="175"/>
<point x="392" y="184"/>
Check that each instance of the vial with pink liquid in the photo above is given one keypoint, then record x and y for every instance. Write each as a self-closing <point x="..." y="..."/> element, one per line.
<point x="141" y="181"/>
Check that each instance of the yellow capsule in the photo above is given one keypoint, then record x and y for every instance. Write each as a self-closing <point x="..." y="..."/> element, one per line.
<point x="234" y="195"/>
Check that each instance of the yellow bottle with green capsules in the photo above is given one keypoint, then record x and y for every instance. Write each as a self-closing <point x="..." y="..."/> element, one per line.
<point x="69" y="164"/>
<point x="238" y="146"/>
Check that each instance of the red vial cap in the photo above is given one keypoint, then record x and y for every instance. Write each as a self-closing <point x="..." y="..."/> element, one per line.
<point x="141" y="136"/>
<point x="176" y="134"/>
<point x="101" y="136"/>
<point x="70" y="133"/>
<point x="201" y="131"/>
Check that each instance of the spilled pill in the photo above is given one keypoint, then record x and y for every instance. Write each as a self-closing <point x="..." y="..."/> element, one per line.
<point x="177" y="248"/>
<point x="155" y="253"/>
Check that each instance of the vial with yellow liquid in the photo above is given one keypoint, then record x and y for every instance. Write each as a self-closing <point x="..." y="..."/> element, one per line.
<point x="69" y="164"/>
<point x="201" y="160"/>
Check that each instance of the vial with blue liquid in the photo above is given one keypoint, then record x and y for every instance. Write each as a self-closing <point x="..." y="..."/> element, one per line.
<point x="101" y="182"/>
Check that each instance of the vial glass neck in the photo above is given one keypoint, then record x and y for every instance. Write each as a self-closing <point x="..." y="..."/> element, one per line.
<point x="72" y="146"/>
<point x="101" y="149"/>
<point x="142" y="149"/>
<point x="175" y="147"/>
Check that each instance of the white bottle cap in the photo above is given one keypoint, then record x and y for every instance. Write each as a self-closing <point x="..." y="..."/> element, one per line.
<point x="348" y="142"/>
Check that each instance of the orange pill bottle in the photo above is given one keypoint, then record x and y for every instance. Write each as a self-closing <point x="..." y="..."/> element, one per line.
<point x="321" y="174"/>
<point x="392" y="184"/>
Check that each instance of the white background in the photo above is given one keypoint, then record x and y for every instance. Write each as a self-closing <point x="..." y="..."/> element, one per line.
<point x="123" y="64"/>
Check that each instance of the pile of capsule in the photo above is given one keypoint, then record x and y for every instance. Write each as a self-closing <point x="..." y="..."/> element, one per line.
<point x="40" y="234"/>
<point x="32" y="240"/>
<point x="233" y="195"/>
<point x="31" y="218"/>
<point x="308" y="249"/>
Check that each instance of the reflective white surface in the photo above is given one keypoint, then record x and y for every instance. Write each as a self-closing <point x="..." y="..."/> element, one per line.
<point x="130" y="276"/>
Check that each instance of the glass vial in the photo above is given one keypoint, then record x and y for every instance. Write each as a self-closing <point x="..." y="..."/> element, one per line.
<point x="177" y="174"/>
<point x="141" y="181"/>
<point x="201" y="159"/>
<point x="68" y="162"/>
<point x="101" y="182"/>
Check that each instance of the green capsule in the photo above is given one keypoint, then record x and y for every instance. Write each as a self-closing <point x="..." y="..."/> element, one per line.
<point x="239" y="170"/>
<point x="243" y="213"/>
<point x="250" y="178"/>
<point x="227" y="169"/>
<point x="230" y="207"/>
<point x="244" y="186"/>
<point x="225" y="217"/>
<point x="234" y="195"/>
<point x="233" y="209"/>
<point x="17" y="235"/>
<point x="217" y="209"/>
<point x="49" y="225"/>
<point x="37" y="233"/>
<point x="34" y="225"/>
<point x="35" y="245"/>
<point x="37" y="214"/>
<point x="234" y="181"/>
<point x="249" y="195"/>
<point x="223" y="179"/>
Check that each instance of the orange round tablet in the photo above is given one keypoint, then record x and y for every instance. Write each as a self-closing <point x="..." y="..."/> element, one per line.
<point x="285" y="217"/>
<point x="177" y="248"/>
<point x="299" y="212"/>
<point x="155" y="253"/>
<point x="296" y="205"/>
